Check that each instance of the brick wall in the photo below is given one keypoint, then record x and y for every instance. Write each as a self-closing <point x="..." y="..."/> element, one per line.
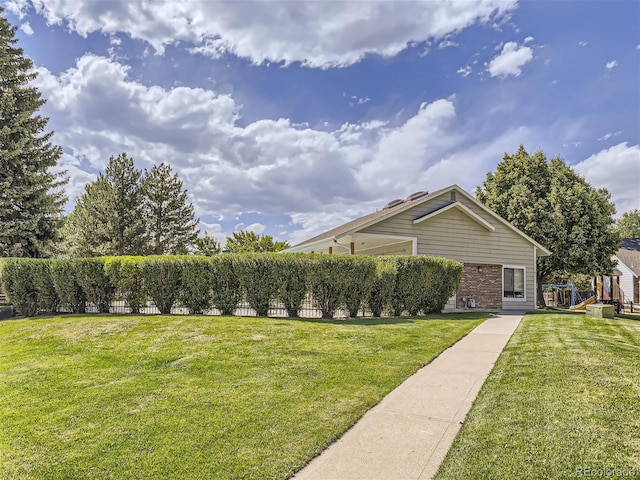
<point x="483" y="282"/>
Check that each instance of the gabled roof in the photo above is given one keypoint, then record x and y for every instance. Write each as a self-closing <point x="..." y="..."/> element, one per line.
<point x="365" y="221"/>
<point x="629" y="254"/>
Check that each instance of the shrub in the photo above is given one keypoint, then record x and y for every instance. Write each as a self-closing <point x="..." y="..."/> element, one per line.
<point x="257" y="273"/>
<point x="18" y="280"/>
<point x="65" y="280"/>
<point x="161" y="276"/>
<point x="48" y="298"/>
<point x="95" y="282"/>
<point x="225" y="284"/>
<point x="423" y="283"/>
<point x="357" y="274"/>
<point x="291" y="280"/>
<point x="195" y="285"/>
<point x="443" y="282"/>
<point x="326" y="283"/>
<point x="382" y="288"/>
<point x="125" y="273"/>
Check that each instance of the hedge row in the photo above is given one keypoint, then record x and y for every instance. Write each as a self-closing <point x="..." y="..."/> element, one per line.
<point x="351" y="282"/>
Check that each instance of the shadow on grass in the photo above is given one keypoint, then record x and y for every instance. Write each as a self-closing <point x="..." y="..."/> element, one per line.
<point x="361" y="321"/>
<point x="365" y="321"/>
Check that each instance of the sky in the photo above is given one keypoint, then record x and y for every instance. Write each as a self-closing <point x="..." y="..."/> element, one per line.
<point x="288" y="118"/>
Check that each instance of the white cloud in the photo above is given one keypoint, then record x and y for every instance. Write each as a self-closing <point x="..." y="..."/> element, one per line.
<point x="318" y="34"/>
<point x="510" y="61"/>
<point x="267" y="166"/>
<point x="607" y="136"/>
<point x="618" y="170"/>
<point x="582" y="43"/>
<point x="465" y="71"/>
<point x="611" y="65"/>
<point x="527" y="40"/>
<point x="257" y="228"/>
<point x="26" y="28"/>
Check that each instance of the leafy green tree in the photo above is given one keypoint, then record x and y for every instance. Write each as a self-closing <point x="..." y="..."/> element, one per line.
<point x="171" y="227"/>
<point x="629" y="225"/>
<point x="31" y="199"/>
<point x="556" y="207"/>
<point x="108" y="216"/>
<point x="206" y="246"/>
<point x="245" y="241"/>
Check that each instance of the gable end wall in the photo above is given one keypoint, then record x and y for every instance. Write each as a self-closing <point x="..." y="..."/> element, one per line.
<point x="452" y="234"/>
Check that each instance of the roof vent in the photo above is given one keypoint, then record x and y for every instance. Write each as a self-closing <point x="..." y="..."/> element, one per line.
<point x="393" y="203"/>
<point x="415" y="196"/>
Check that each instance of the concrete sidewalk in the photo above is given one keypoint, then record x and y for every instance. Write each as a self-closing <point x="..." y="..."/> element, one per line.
<point x="407" y="435"/>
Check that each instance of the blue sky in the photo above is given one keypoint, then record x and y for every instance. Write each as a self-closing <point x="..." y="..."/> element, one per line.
<point x="289" y="118"/>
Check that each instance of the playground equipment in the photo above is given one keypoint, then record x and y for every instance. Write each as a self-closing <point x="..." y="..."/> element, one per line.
<point x="560" y="293"/>
<point x="607" y="289"/>
<point x="583" y="305"/>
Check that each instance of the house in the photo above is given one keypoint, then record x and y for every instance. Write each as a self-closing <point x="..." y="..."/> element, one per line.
<point x="499" y="260"/>
<point x="628" y="258"/>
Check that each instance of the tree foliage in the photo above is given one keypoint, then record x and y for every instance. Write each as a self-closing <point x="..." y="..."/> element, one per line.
<point x="107" y="218"/>
<point x="557" y="208"/>
<point x="206" y="246"/>
<point x="628" y="226"/>
<point x="31" y="199"/>
<point x="246" y="241"/>
<point x="125" y="213"/>
<point x="171" y="228"/>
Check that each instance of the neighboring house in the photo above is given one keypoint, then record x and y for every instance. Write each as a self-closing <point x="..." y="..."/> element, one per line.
<point x="628" y="258"/>
<point x="499" y="260"/>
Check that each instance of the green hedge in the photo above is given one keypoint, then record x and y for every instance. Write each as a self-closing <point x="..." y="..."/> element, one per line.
<point x="382" y="289"/>
<point x="18" y="283"/>
<point x="95" y="282"/>
<point x="225" y="283"/>
<point x="258" y="276"/>
<point x="291" y="281"/>
<point x="351" y="283"/>
<point x="126" y="275"/>
<point x="67" y="284"/>
<point x="195" y="283"/>
<point x="162" y="276"/>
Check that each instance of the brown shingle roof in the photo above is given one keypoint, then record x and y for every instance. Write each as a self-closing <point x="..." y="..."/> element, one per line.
<point x="359" y="222"/>
<point x="629" y="254"/>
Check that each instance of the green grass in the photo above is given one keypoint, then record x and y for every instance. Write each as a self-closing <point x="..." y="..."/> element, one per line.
<point x="196" y="396"/>
<point x="564" y="395"/>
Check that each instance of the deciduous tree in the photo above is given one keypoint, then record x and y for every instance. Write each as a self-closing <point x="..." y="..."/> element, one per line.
<point x="628" y="226"/>
<point x="556" y="207"/>
<point x="246" y="241"/>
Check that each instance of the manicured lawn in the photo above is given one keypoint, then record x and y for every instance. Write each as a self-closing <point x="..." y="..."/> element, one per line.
<point x="564" y="395"/>
<point x="196" y="396"/>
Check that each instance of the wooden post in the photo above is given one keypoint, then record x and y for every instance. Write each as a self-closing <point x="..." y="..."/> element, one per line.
<point x="330" y="250"/>
<point x="353" y="248"/>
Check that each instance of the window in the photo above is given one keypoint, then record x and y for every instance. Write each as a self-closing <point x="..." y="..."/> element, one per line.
<point x="513" y="282"/>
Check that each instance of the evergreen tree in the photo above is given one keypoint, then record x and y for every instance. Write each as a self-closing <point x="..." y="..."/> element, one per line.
<point x="31" y="199"/>
<point x="171" y="228"/>
<point x="557" y="208"/>
<point x="108" y="218"/>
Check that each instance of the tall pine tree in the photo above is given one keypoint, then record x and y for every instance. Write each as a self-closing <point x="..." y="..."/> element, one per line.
<point x="171" y="228"/>
<point x="31" y="198"/>
<point x="107" y="219"/>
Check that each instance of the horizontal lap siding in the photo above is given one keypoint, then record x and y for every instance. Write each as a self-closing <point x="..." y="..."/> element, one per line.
<point x="452" y="234"/>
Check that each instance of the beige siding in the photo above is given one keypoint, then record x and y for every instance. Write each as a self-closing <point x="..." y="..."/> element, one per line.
<point x="453" y="234"/>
